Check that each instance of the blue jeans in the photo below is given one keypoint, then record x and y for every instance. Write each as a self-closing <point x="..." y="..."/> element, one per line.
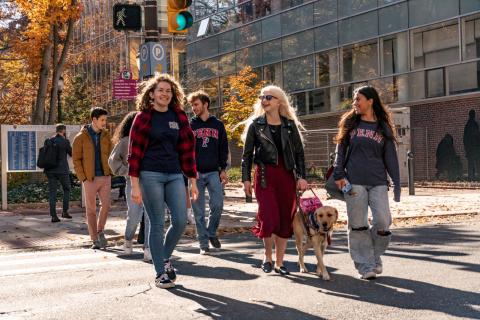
<point x="364" y="243"/>
<point x="211" y="181"/>
<point x="135" y="213"/>
<point x="157" y="189"/>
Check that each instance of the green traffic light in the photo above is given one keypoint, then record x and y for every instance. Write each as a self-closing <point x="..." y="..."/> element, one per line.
<point x="184" y="20"/>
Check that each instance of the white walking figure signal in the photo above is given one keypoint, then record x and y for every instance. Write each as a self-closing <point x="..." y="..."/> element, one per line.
<point x="121" y="17"/>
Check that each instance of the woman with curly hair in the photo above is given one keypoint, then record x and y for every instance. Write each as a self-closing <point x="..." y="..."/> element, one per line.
<point x="162" y="146"/>
<point x="366" y="152"/>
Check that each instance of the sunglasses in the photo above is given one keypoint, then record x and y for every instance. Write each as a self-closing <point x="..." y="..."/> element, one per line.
<point x="268" y="97"/>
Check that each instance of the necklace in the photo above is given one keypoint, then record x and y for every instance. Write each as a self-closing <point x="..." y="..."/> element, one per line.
<point x="273" y="128"/>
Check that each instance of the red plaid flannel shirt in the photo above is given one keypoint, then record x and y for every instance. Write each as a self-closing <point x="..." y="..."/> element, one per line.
<point x="140" y="133"/>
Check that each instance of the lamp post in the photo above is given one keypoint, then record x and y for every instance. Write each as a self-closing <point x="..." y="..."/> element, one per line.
<point x="61" y="86"/>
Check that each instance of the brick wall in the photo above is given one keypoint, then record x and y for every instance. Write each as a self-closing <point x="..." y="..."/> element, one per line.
<point x="430" y="122"/>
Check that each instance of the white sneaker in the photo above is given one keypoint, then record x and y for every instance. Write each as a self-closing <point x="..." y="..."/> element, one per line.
<point x="147" y="256"/>
<point x="378" y="269"/>
<point x="127" y="247"/>
<point x="190" y="217"/>
<point x="368" y="275"/>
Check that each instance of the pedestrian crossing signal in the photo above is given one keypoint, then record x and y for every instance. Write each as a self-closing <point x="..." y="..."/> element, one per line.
<point x="179" y="18"/>
<point x="127" y="17"/>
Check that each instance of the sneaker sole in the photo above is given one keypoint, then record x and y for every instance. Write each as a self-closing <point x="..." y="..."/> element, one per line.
<point x="165" y="286"/>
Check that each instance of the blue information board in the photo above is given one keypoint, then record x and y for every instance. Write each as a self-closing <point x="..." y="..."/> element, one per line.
<point x="22" y="150"/>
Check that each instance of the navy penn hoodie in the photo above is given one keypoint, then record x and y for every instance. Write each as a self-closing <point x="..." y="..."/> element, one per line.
<point x="211" y="145"/>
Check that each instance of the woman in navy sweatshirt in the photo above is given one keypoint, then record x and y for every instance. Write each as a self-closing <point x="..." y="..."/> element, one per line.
<point x="366" y="152"/>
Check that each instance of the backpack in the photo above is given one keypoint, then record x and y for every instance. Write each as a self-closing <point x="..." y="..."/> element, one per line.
<point x="48" y="155"/>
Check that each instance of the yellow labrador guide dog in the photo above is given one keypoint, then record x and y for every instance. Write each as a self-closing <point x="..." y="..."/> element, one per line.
<point x="313" y="222"/>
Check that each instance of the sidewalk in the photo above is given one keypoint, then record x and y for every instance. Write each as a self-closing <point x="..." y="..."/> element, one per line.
<point x="25" y="228"/>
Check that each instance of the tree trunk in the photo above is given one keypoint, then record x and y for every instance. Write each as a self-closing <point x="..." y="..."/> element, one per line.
<point x="39" y="110"/>
<point x="54" y="89"/>
<point x="58" y="68"/>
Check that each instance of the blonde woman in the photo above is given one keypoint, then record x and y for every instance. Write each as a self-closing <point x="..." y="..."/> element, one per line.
<point x="162" y="147"/>
<point x="274" y="143"/>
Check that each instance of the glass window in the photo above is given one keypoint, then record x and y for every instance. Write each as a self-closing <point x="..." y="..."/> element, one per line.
<point x="319" y="101"/>
<point x="224" y="20"/>
<point x="246" y="11"/>
<point x="290" y="3"/>
<point x="469" y="5"/>
<point x="472" y="39"/>
<point x="223" y="4"/>
<point x="386" y="89"/>
<point x="298" y="74"/>
<point x="251" y="56"/>
<point x="464" y="78"/>
<point x="191" y="52"/>
<point x="435" y="47"/>
<point x="435" y="83"/>
<point x="395" y="54"/>
<point x="226" y="41"/>
<point x="271" y="28"/>
<point x="393" y="18"/>
<point x="349" y="7"/>
<point x="249" y="35"/>
<point x="207" y="68"/>
<point x="297" y="19"/>
<point x="326" y="68"/>
<point x="275" y="6"/>
<point x="324" y="11"/>
<point x="261" y="8"/>
<point x="297" y="44"/>
<point x="416" y="85"/>
<point x="272" y="51"/>
<point x="208" y="46"/>
<point x="211" y="88"/>
<point x="204" y="8"/>
<point x="426" y="11"/>
<point x="326" y="37"/>
<point x="360" y="62"/>
<point x="227" y="64"/>
<point x="384" y="2"/>
<point x="299" y="102"/>
<point x="359" y="27"/>
<point x="272" y="74"/>
<point x="225" y="87"/>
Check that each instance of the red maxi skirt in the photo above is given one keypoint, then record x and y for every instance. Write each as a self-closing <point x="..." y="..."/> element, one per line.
<point x="276" y="202"/>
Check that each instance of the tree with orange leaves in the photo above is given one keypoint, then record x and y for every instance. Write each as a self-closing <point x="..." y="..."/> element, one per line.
<point x="44" y="45"/>
<point x="241" y="96"/>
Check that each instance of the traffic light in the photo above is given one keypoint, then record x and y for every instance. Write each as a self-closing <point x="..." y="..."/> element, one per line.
<point x="127" y="17"/>
<point x="179" y="18"/>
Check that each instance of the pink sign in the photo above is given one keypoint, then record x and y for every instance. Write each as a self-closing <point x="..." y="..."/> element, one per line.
<point x="124" y="88"/>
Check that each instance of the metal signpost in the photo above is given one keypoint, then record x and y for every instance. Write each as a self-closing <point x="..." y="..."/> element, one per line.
<point x="152" y="59"/>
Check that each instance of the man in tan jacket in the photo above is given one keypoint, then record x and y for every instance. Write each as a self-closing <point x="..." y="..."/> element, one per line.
<point x="91" y="149"/>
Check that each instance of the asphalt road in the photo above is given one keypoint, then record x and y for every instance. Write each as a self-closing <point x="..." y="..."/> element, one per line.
<point x="430" y="272"/>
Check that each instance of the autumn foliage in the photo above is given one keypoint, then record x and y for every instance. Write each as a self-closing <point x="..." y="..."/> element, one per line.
<point x="242" y="94"/>
<point x="34" y="50"/>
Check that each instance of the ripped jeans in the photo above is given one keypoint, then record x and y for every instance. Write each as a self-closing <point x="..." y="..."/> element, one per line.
<point x="364" y="243"/>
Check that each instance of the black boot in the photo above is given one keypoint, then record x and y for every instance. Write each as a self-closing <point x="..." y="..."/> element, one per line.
<point x="55" y="219"/>
<point x="66" y="215"/>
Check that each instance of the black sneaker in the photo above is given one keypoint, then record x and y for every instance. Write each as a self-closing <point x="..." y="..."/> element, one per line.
<point x="215" y="242"/>
<point x="164" y="282"/>
<point x="55" y="219"/>
<point x="66" y="215"/>
<point x="95" y="245"/>
<point x="170" y="271"/>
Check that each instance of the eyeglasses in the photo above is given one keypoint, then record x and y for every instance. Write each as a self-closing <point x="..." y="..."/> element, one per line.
<point x="268" y="97"/>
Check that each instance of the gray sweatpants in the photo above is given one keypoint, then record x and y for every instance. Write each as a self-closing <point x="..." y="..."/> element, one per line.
<point x="365" y="245"/>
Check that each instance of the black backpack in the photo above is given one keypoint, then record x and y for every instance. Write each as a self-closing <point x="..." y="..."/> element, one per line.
<point x="48" y="155"/>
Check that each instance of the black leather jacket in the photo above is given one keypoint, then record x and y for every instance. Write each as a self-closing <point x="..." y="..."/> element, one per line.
<point x="260" y="148"/>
